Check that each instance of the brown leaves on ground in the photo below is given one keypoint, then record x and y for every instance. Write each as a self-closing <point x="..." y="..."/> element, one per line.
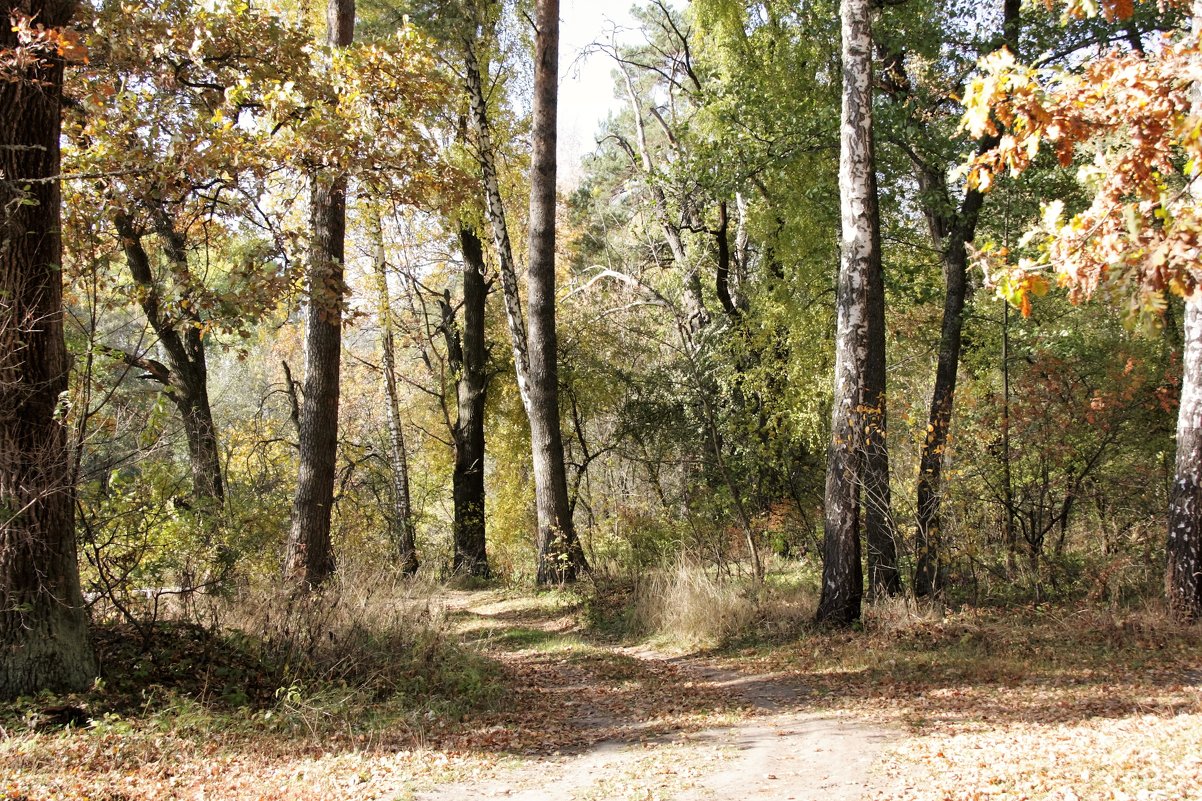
<point x="1015" y="705"/>
<point x="1024" y="704"/>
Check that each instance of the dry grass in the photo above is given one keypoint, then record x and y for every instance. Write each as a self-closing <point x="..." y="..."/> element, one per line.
<point x="360" y="629"/>
<point x="286" y="697"/>
<point x="689" y="606"/>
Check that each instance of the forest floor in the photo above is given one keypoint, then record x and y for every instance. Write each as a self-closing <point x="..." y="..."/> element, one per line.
<point x="1026" y="704"/>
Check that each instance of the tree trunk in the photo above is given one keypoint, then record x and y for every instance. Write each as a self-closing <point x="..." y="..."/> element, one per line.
<point x="880" y="533"/>
<point x="186" y="376"/>
<point x="1183" y="580"/>
<point x="43" y="628"/>
<point x="310" y="558"/>
<point x="204" y="455"/>
<point x="560" y="556"/>
<point x="494" y="210"/>
<point x="403" y="531"/>
<point x="471" y="389"/>
<point x="842" y="574"/>
<point x="951" y="234"/>
<point x="722" y="276"/>
<point x="1183" y="576"/>
<point x="927" y="540"/>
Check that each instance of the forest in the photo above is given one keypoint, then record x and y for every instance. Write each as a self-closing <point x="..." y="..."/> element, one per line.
<point x="831" y="428"/>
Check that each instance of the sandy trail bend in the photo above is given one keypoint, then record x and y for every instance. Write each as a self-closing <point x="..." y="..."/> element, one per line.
<point x="771" y="748"/>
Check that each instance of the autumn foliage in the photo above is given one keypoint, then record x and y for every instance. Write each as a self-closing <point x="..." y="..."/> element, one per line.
<point x="1126" y="121"/>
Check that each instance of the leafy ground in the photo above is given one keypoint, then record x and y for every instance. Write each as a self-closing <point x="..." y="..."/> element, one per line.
<point x="1022" y="704"/>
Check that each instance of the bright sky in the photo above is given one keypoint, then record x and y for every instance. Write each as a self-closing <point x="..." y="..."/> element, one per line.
<point x="586" y="93"/>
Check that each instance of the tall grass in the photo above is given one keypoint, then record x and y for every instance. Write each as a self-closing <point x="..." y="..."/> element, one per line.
<point x="367" y="628"/>
<point x="690" y="606"/>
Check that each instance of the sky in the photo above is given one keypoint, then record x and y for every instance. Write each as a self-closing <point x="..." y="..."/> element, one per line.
<point x="586" y="94"/>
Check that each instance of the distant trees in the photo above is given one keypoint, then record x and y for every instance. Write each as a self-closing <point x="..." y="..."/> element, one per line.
<point x="1139" y="235"/>
<point x="43" y="626"/>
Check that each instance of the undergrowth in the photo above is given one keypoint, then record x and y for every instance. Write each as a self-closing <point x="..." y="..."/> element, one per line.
<point x="370" y="649"/>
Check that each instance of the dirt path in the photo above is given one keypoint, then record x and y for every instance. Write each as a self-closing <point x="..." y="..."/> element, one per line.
<point x="597" y="721"/>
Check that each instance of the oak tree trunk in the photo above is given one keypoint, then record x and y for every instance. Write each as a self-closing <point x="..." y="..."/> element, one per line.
<point x="310" y="557"/>
<point x="471" y="391"/>
<point x="185" y="376"/>
<point x="43" y="628"/>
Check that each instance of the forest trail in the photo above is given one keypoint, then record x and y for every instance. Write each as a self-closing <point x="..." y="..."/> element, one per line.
<point x="595" y="720"/>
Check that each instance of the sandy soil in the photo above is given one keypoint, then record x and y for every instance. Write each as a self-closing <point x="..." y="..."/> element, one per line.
<point x="779" y="750"/>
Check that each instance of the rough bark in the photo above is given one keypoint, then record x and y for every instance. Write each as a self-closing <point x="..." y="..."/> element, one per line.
<point x="185" y="378"/>
<point x="310" y="557"/>
<point x="403" y="532"/>
<point x="951" y="234"/>
<point x="43" y="628"/>
<point x="928" y="546"/>
<point x="880" y="533"/>
<point x="560" y="557"/>
<point x="469" y="364"/>
<point x="494" y="209"/>
<point x="1183" y="576"/>
<point x="842" y="574"/>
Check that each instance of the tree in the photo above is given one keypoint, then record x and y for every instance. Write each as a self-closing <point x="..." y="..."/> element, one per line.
<point x="165" y="73"/>
<point x="43" y="627"/>
<point x="401" y="521"/>
<point x="310" y="557"/>
<point x="842" y="574"/>
<point x="560" y="556"/>
<point x="1138" y="113"/>
<point x="468" y="354"/>
<point x="951" y="225"/>
<point x="880" y="532"/>
<point x="186" y="379"/>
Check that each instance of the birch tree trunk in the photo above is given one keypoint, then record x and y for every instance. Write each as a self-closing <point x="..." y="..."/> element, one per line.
<point x="310" y="557"/>
<point x="43" y="627"/>
<point x="1183" y="576"/>
<point x="494" y="210"/>
<point x="403" y="533"/>
<point x="842" y="574"/>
